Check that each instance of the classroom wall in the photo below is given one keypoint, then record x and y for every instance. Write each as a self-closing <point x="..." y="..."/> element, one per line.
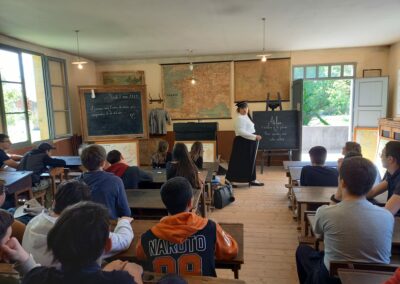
<point x="394" y="80"/>
<point x="364" y="57"/>
<point x="76" y="77"/>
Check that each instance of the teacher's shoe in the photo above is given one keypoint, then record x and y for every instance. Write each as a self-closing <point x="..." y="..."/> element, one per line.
<point x="256" y="183"/>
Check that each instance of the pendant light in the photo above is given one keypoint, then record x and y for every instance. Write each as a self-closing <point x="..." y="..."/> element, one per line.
<point x="191" y="67"/>
<point x="78" y="61"/>
<point x="264" y="55"/>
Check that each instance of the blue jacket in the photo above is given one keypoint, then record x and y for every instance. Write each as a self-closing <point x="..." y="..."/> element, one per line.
<point x="108" y="189"/>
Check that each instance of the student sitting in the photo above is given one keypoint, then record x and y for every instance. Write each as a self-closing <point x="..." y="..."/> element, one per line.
<point x="106" y="188"/>
<point x="350" y="149"/>
<point x="183" y="166"/>
<point x="390" y="157"/>
<point x="131" y="176"/>
<point x="184" y="239"/>
<point x="69" y="193"/>
<point x="38" y="160"/>
<point x="7" y="159"/>
<point x="354" y="230"/>
<point x="317" y="174"/>
<point x="162" y="156"/>
<point x="77" y="240"/>
<point x="196" y="153"/>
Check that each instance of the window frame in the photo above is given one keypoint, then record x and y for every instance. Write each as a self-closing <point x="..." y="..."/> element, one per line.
<point x="48" y="96"/>
<point x="329" y="65"/>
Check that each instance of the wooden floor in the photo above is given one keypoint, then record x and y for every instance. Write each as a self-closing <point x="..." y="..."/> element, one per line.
<point x="270" y="234"/>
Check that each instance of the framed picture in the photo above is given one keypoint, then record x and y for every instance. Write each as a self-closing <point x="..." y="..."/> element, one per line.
<point x="367" y="73"/>
<point x="124" y="78"/>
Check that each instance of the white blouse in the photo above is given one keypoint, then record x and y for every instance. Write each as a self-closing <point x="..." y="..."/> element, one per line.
<point x="244" y="127"/>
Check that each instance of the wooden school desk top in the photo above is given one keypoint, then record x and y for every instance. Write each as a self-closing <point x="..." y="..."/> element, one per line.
<point x="288" y="164"/>
<point x="152" y="278"/>
<point x="151" y="198"/>
<point x="141" y="226"/>
<point x="314" y="194"/>
<point x="349" y="276"/>
<point x="16" y="180"/>
<point x="71" y="161"/>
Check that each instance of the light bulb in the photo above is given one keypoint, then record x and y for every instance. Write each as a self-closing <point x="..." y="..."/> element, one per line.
<point x="191" y="66"/>
<point x="263" y="58"/>
<point x="193" y="81"/>
<point x="93" y="94"/>
<point x="80" y="66"/>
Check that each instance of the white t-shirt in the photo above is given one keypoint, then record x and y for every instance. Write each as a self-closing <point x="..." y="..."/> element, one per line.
<point x="244" y="127"/>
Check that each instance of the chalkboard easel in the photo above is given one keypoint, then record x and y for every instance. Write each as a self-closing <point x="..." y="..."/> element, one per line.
<point x="113" y="112"/>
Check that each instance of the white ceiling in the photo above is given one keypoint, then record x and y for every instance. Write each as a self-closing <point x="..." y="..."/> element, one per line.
<point x="135" y="29"/>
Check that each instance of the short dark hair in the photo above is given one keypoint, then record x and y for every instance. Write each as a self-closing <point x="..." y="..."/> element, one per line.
<point x="358" y="175"/>
<point x="69" y="193"/>
<point x="3" y="136"/>
<point x="318" y="155"/>
<point x="353" y="147"/>
<point x="114" y="156"/>
<point x="392" y="149"/>
<point x="176" y="194"/>
<point x="93" y="156"/>
<point x="79" y="235"/>
<point x="6" y="220"/>
<point x="352" y="154"/>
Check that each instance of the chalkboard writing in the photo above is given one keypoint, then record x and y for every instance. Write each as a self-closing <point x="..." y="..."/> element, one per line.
<point x="113" y="113"/>
<point x="279" y="129"/>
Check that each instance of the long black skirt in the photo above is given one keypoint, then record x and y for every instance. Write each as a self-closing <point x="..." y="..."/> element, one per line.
<point x="242" y="166"/>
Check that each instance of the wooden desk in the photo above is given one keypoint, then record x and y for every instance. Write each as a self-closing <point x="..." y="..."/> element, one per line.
<point x="147" y="203"/>
<point x="349" y="276"/>
<point x="234" y="229"/>
<point x="16" y="181"/>
<point x="295" y="173"/>
<point x="152" y="278"/>
<point x="71" y="161"/>
<point x="159" y="175"/>
<point x="288" y="164"/>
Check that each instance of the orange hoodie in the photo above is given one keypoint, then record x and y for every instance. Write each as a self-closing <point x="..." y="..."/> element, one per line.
<point x="177" y="228"/>
<point x="395" y="279"/>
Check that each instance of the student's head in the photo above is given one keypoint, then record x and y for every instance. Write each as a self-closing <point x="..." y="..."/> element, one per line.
<point x="390" y="156"/>
<point x="69" y="193"/>
<point x="180" y="152"/>
<point x="45" y="147"/>
<point x="196" y="150"/>
<point x="5" y="142"/>
<point x="357" y="175"/>
<point x="242" y="107"/>
<point x="351" y="146"/>
<point x="176" y="195"/>
<point x="114" y="156"/>
<point x="93" y="157"/>
<point x="318" y="155"/>
<point x="6" y="220"/>
<point x="80" y="235"/>
<point x="162" y="146"/>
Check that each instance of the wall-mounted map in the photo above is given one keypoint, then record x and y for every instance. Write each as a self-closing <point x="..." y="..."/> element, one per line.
<point x="208" y="98"/>
<point x="255" y="79"/>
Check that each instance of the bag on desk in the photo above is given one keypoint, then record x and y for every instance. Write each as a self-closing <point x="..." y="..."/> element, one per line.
<point x="223" y="195"/>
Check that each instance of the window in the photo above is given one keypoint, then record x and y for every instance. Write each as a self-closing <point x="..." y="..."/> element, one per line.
<point x="28" y="83"/>
<point x="324" y="71"/>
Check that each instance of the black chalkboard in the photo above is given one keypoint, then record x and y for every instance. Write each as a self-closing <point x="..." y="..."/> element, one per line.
<point x="112" y="114"/>
<point x="279" y="129"/>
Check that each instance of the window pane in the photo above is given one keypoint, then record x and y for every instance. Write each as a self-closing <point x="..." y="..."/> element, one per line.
<point x="348" y="70"/>
<point x="13" y="98"/>
<point x="16" y="127"/>
<point x="9" y="66"/>
<point x="56" y="73"/>
<point x="311" y="72"/>
<point x="58" y="98"/>
<point x="298" y="73"/>
<point x="323" y="71"/>
<point x="34" y="83"/>
<point x="336" y="70"/>
<point x="61" y="120"/>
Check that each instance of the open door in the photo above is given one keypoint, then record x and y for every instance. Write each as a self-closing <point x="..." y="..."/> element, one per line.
<point x="370" y="101"/>
<point x="297" y="104"/>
